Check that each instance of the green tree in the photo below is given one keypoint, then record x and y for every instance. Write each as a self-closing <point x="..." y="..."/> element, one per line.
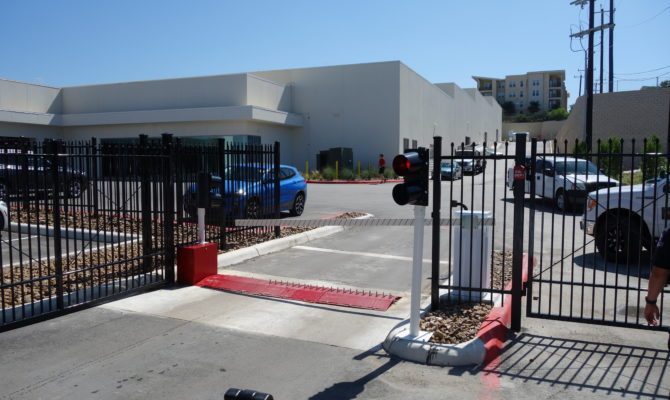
<point x="665" y="84"/>
<point x="557" y="114"/>
<point x="508" y="107"/>
<point x="534" y="107"/>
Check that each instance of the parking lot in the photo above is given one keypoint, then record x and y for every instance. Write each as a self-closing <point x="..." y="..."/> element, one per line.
<point x="22" y="249"/>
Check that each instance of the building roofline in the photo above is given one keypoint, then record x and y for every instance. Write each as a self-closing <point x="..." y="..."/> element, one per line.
<point x="29" y="83"/>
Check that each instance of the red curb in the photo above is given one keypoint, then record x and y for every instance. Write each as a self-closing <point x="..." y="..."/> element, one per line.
<point x="495" y="328"/>
<point x="341" y="182"/>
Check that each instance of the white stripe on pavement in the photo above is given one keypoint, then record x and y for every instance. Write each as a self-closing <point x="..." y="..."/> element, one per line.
<point x="21" y="238"/>
<point x="360" y="253"/>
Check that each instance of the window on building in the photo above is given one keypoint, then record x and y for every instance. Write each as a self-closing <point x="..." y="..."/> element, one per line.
<point x="405" y="144"/>
<point x="521" y="83"/>
<point x="415" y="144"/>
<point x="520" y="94"/>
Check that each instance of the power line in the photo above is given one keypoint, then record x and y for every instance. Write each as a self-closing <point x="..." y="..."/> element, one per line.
<point x="646" y="20"/>
<point x="644" y="72"/>
<point x="641" y="79"/>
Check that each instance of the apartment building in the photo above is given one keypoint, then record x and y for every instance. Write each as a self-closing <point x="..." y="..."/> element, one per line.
<point x="545" y="87"/>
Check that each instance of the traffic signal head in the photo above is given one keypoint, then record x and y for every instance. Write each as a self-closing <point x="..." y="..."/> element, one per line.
<point x="413" y="167"/>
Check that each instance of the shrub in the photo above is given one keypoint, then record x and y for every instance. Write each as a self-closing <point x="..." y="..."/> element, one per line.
<point x="610" y="159"/>
<point x="521" y="118"/>
<point x="653" y="164"/>
<point x="580" y="150"/>
<point x="346" y="174"/>
<point x="315" y="175"/>
<point x="389" y="173"/>
<point x="328" y="173"/>
<point x="557" y="114"/>
<point x="365" y="174"/>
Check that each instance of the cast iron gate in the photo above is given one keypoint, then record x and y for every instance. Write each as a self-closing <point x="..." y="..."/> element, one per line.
<point x="593" y="251"/>
<point x="88" y="222"/>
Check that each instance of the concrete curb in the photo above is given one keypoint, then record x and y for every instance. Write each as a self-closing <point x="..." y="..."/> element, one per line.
<point x="484" y="348"/>
<point x="341" y="182"/>
<point x="273" y="246"/>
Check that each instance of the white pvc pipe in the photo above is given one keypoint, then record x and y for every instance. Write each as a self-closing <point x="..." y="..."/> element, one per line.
<point x="417" y="260"/>
<point x="201" y="225"/>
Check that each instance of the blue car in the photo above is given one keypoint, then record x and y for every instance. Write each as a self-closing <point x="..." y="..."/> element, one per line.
<point x="248" y="192"/>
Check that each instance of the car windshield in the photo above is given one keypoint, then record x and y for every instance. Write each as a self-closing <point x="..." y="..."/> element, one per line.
<point x="577" y="167"/>
<point x="447" y="165"/>
<point x="246" y="173"/>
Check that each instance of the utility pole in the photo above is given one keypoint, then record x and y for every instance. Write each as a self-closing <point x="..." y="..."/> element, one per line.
<point x="611" y="52"/>
<point x="580" y="81"/>
<point x="602" y="46"/>
<point x="589" y="67"/>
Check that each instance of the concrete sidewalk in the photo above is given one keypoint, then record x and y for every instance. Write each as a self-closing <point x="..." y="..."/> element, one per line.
<point x="196" y="343"/>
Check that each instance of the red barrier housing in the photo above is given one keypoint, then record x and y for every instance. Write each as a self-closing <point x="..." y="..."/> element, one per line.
<point x="196" y="262"/>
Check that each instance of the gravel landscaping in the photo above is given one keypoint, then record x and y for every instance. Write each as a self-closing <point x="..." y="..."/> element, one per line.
<point x="35" y="279"/>
<point x="459" y="322"/>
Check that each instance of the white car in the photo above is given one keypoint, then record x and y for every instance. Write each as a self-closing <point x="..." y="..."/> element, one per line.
<point x="566" y="180"/>
<point x="3" y="216"/>
<point x="626" y="219"/>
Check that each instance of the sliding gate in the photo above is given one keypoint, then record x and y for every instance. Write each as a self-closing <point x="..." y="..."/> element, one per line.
<point x="593" y="252"/>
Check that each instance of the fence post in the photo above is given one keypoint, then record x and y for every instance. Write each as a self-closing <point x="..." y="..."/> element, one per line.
<point x="94" y="174"/>
<point x="51" y="148"/>
<point x="531" y="222"/>
<point x="222" y="171"/>
<point x="25" y="204"/>
<point x="277" y="214"/>
<point x="145" y="196"/>
<point x="168" y="207"/>
<point x="437" y="204"/>
<point x="518" y="235"/>
<point x="179" y="182"/>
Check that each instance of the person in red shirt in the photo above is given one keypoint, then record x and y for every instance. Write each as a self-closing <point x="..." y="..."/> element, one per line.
<point x="382" y="164"/>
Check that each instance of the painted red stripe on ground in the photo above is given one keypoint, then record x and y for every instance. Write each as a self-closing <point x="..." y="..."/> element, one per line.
<point x="312" y="294"/>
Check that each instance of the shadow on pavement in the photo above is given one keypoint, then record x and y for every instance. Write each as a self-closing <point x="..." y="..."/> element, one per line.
<point x="593" y="260"/>
<point x="546" y="206"/>
<point x="589" y="366"/>
<point x="351" y="390"/>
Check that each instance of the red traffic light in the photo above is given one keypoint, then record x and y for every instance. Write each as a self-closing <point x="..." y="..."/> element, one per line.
<point x="413" y="167"/>
<point x="408" y="162"/>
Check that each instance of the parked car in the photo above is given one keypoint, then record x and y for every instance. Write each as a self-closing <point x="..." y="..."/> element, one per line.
<point x="36" y="179"/>
<point x="628" y="219"/>
<point x="566" y="180"/>
<point x="4" y="217"/>
<point x="470" y="160"/>
<point x="451" y="170"/>
<point x="248" y="192"/>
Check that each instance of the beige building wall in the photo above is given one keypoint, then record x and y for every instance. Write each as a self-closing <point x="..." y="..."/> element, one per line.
<point x="626" y="115"/>
<point x="370" y="108"/>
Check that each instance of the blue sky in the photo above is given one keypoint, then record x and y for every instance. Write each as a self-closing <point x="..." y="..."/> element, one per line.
<point x="76" y="42"/>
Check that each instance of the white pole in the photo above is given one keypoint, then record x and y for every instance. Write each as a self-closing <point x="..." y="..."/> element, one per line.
<point x="417" y="259"/>
<point x="201" y="225"/>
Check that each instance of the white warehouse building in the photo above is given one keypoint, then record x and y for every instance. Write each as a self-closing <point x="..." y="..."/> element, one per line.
<point x="372" y="108"/>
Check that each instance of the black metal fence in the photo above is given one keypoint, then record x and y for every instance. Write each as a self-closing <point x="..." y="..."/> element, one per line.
<point x="580" y="227"/>
<point x="86" y="222"/>
<point x="596" y="219"/>
<point x="467" y="189"/>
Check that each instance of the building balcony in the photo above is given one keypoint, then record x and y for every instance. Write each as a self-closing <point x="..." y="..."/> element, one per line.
<point x="555" y="83"/>
<point x="555" y="94"/>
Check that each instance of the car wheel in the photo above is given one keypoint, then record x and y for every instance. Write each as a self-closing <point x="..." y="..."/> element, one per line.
<point x="298" y="205"/>
<point x="561" y="201"/>
<point x="253" y="209"/>
<point x="74" y="189"/>
<point x="619" y="240"/>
